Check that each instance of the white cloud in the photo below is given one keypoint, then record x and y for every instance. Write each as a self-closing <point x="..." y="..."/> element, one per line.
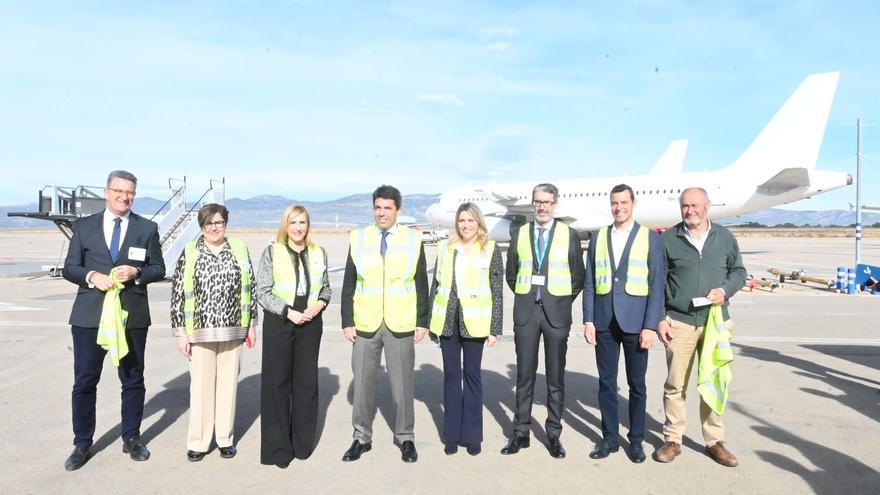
<point x="500" y="31"/>
<point x="441" y="99"/>
<point x="498" y="46"/>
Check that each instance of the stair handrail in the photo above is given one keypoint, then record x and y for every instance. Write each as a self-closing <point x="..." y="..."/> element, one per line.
<point x="184" y="216"/>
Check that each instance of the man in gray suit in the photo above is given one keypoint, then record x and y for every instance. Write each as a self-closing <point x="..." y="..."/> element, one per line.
<point x="384" y="307"/>
<point x="623" y="300"/>
<point x="115" y="245"/>
<point x="545" y="270"/>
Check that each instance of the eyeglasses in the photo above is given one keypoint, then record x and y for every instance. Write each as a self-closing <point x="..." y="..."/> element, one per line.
<point x="545" y="204"/>
<point x="215" y="225"/>
<point x="122" y="192"/>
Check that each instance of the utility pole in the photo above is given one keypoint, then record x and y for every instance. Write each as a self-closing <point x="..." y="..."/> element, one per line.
<point x="858" y="191"/>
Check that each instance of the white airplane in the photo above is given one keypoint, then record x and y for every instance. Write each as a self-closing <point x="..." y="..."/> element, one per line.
<point x="779" y="167"/>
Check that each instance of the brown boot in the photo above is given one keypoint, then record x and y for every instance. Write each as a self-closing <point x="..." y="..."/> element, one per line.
<point x="721" y="455"/>
<point x="668" y="452"/>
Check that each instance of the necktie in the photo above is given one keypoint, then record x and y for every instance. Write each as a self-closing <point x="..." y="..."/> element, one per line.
<point x="114" y="239"/>
<point x="540" y="254"/>
<point x="383" y="246"/>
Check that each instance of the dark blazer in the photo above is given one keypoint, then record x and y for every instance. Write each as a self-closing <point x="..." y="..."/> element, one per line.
<point x="88" y="251"/>
<point x="633" y="313"/>
<point x="557" y="309"/>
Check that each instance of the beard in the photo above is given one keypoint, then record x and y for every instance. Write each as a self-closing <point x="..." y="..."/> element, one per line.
<point x="693" y="221"/>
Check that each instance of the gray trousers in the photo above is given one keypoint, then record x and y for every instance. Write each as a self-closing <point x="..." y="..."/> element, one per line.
<point x="527" y="339"/>
<point x="400" y="356"/>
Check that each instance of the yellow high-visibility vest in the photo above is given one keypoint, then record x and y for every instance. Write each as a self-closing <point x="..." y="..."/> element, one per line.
<point x="558" y="271"/>
<point x="474" y="292"/>
<point x="386" y="288"/>
<point x="714" y="374"/>
<point x="242" y="257"/>
<point x="637" y="269"/>
<point x="285" y="278"/>
<point x="111" y="328"/>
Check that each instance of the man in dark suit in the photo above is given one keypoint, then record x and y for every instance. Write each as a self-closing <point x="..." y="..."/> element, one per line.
<point x="545" y="270"/>
<point x="623" y="300"/>
<point x="127" y="244"/>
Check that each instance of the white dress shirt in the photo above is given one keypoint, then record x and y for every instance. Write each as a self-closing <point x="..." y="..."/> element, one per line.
<point x="108" y="227"/>
<point x="618" y="241"/>
<point x="698" y="242"/>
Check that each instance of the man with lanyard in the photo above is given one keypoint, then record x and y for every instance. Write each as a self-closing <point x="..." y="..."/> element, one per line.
<point x="623" y="299"/>
<point x="545" y="270"/>
<point x="384" y="306"/>
<point x="704" y="267"/>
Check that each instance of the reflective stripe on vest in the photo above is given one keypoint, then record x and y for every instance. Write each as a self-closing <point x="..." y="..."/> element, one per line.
<point x="558" y="271"/>
<point x="636" y="271"/>
<point x="714" y="373"/>
<point x="191" y="255"/>
<point x="385" y="288"/>
<point x="474" y="291"/>
<point x="285" y="278"/>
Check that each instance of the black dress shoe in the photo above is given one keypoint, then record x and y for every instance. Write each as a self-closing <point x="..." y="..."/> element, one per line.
<point x="193" y="456"/>
<point x="450" y="448"/>
<point x="77" y="458"/>
<point x="518" y="441"/>
<point x="408" y="451"/>
<point x="604" y="449"/>
<point x="636" y="452"/>
<point x="228" y="452"/>
<point x="555" y="448"/>
<point x="474" y="449"/>
<point x="356" y="450"/>
<point x="135" y="448"/>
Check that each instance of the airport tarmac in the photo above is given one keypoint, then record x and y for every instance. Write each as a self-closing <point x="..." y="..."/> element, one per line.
<point x="804" y="415"/>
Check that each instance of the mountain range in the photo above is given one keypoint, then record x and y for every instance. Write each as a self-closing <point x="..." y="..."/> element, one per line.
<point x="265" y="211"/>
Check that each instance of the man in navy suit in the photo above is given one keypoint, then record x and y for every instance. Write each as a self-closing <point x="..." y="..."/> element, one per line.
<point x="623" y="300"/>
<point x="115" y="239"/>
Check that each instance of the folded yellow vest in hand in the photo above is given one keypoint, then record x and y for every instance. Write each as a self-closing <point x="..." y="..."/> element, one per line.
<point x="714" y="374"/>
<point x="111" y="329"/>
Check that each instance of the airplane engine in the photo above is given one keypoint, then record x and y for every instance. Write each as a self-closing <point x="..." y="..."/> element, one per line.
<point x="499" y="228"/>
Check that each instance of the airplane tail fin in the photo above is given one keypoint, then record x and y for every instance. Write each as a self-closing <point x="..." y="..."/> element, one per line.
<point x="671" y="161"/>
<point x="793" y="136"/>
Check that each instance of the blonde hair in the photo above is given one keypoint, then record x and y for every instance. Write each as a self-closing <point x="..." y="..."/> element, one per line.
<point x="482" y="231"/>
<point x="290" y="212"/>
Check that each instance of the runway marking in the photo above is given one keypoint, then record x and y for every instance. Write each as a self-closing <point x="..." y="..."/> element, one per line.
<point x="13" y="307"/>
<point x="808" y="340"/>
<point x="7" y="323"/>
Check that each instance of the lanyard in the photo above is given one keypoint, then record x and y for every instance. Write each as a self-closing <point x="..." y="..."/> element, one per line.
<point x="540" y="253"/>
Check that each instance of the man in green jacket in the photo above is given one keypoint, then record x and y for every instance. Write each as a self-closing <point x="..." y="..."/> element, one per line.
<point x="704" y="267"/>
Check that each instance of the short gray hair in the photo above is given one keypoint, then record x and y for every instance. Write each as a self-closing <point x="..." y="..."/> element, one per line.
<point x="686" y="190"/>
<point x="122" y="174"/>
<point x="547" y="188"/>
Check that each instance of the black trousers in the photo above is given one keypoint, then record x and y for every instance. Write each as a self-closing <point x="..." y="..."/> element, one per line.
<point x="289" y="397"/>
<point x="528" y="339"/>
<point x="608" y="345"/>
<point x="88" y="361"/>
<point x="462" y="399"/>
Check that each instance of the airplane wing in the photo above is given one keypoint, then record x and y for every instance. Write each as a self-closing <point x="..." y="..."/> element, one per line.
<point x="786" y="180"/>
<point x="672" y="160"/>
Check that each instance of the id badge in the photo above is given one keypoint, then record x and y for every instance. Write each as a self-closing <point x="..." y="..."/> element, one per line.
<point x="699" y="302"/>
<point x="137" y="254"/>
<point x="538" y="280"/>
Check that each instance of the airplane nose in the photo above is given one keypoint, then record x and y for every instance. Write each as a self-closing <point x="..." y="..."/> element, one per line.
<point x="431" y="212"/>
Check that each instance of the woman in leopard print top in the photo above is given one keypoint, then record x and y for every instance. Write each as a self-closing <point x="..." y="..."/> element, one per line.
<point x="212" y="338"/>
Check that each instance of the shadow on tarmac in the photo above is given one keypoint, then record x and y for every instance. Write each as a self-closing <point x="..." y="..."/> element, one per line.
<point x="834" y="472"/>
<point x="499" y="398"/>
<point x="171" y="402"/>
<point x="854" y="393"/>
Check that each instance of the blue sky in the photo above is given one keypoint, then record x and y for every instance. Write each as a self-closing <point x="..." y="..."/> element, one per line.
<point x="317" y="100"/>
